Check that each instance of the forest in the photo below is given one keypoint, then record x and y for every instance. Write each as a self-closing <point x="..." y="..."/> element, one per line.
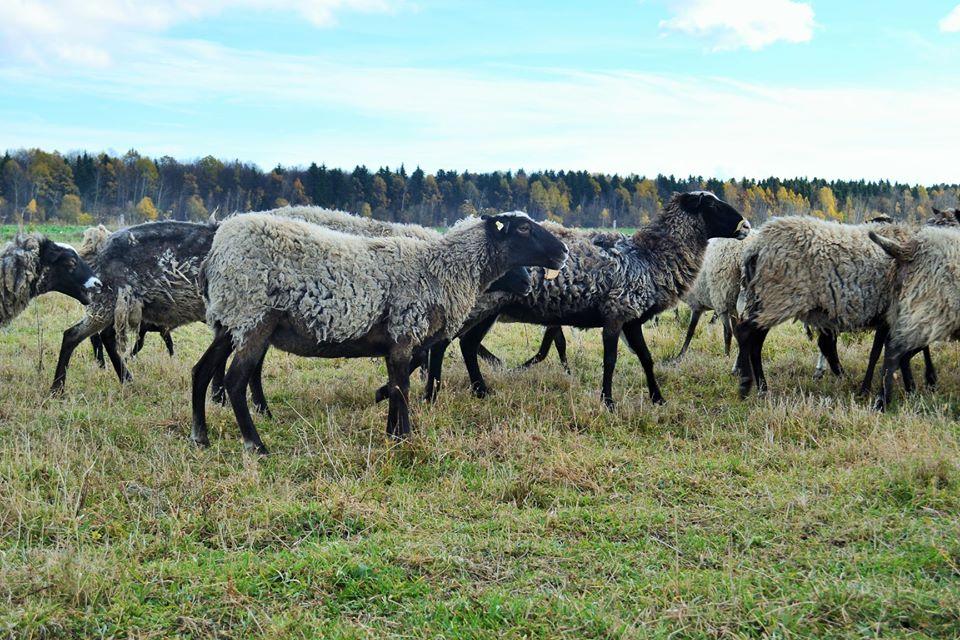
<point x="81" y="188"/>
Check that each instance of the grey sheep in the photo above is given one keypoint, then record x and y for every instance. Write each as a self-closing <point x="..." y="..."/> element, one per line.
<point x="31" y="265"/>
<point x="825" y="274"/>
<point x="150" y="275"/>
<point x="94" y="240"/>
<point x="616" y="284"/>
<point x="717" y="287"/>
<point x="926" y="303"/>
<point x="315" y="292"/>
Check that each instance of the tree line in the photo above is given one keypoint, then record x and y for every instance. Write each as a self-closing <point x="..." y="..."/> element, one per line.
<point x="83" y="188"/>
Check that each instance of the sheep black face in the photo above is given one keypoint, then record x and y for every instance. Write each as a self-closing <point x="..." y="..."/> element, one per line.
<point x="516" y="281"/>
<point x="721" y="220"/>
<point x="944" y="217"/>
<point x="523" y="242"/>
<point x="64" y="271"/>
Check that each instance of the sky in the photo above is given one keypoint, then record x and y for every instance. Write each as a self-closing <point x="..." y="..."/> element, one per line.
<point x="723" y="88"/>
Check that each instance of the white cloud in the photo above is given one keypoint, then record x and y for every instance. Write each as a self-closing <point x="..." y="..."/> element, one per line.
<point x="91" y="32"/>
<point x="951" y="22"/>
<point x="732" y="24"/>
<point x="440" y="118"/>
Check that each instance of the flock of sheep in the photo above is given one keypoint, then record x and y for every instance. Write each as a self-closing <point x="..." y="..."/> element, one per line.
<point x="321" y="283"/>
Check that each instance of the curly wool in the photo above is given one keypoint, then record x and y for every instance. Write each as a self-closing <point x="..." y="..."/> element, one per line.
<point x="613" y="277"/>
<point x="926" y="304"/>
<point x="825" y="274"/>
<point x="717" y="285"/>
<point x="93" y="242"/>
<point x="341" y="285"/>
<point x="355" y="225"/>
<point x="19" y="273"/>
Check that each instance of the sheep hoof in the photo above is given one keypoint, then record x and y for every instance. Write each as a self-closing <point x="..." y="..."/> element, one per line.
<point x="818" y="374"/>
<point x="658" y="399"/>
<point x="201" y="441"/>
<point x="480" y="391"/>
<point x="253" y="447"/>
<point x="880" y="404"/>
<point x="263" y="410"/>
<point x="219" y="396"/>
<point x="609" y="403"/>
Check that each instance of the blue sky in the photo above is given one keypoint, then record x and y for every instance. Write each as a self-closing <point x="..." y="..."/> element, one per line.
<point x="726" y="88"/>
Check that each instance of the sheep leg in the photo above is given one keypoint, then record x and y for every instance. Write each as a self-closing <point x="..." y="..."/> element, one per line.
<point x="141" y="336"/>
<point x="827" y="342"/>
<point x="756" y="359"/>
<point x="611" y="336"/>
<point x="692" y="329"/>
<point x="743" y="332"/>
<point x="109" y="337"/>
<point x="212" y="359"/>
<point x="891" y="361"/>
<point x="256" y="389"/>
<point x="167" y="340"/>
<point x="469" y="343"/>
<point x="634" y="334"/>
<point x="727" y="332"/>
<point x="435" y="371"/>
<point x="236" y="382"/>
<point x="71" y="338"/>
<point x="879" y="337"/>
<point x="549" y="335"/>
<point x="561" y="343"/>
<point x="97" y="343"/>
<point x="398" y="371"/>
<point x="419" y="361"/>
<point x="488" y="356"/>
<point x="930" y="372"/>
<point x="217" y="391"/>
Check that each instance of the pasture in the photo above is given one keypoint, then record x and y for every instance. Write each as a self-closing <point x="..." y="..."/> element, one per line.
<point x="533" y="513"/>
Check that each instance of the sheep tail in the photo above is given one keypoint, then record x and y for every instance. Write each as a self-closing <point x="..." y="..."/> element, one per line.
<point x="127" y="316"/>
<point x="899" y="252"/>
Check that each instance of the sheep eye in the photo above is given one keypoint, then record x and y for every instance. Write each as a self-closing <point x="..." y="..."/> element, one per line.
<point x="524" y="229"/>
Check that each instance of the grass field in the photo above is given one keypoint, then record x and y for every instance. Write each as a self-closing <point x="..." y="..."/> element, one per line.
<point x="533" y="513"/>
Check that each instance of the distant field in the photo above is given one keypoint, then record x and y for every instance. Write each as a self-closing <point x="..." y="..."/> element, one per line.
<point x="533" y="513"/>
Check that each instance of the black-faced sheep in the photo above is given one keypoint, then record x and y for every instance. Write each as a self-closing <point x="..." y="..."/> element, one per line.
<point x="31" y="265"/>
<point x="618" y="284"/>
<point x="926" y="302"/>
<point x="149" y="273"/>
<point x="315" y="292"/>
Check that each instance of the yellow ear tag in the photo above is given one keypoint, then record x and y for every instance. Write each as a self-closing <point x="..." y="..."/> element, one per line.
<point x="499" y="225"/>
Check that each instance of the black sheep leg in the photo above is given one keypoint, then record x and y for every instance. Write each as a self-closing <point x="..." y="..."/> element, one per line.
<point x="756" y="359"/>
<point x="97" y="343"/>
<point x="469" y="343"/>
<point x="167" y="340"/>
<point x="561" y="343"/>
<point x="743" y="332"/>
<point x="141" y="336"/>
<point x="71" y="338"/>
<point x="217" y="391"/>
<point x="691" y="330"/>
<point x="879" y="337"/>
<point x="929" y="371"/>
<point x="611" y="338"/>
<point x="203" y="371"/>
<point x="489" y="356"/>
<point x="109" y="337"/>
<point x="549" y="336"/>
<point x="827" y="342"/>
<point x="891" y="361"/>
<point x="435" y="371"/>
<point x="256" y="389"/>
<point x="398" y="371"/>
<point x="633" y="331"/>
<point x="727" y="323"/>
<point x="236" y="381"/>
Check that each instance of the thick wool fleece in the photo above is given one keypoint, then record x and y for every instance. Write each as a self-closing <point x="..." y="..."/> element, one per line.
<point x="355" y="225"/>
<point x="825" y="274"/>
<point x="718" y="284"/>
<point x="341" y="285"/>
<point x="926" y="307"/>
<point x="19" y="273"/>
<point x="612" y="278"/>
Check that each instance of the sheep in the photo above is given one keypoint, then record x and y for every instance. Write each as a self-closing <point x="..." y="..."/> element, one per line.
<point x="926" y="304"/>
<point x="31" y="265"/>
<point x="717" y="287"/>
<point x="616" y="285"/>
<point x="312" y="291"/>
<point x="94" y="239"/>
<point x="516" y="280"/>
<point x="150" y="275"/>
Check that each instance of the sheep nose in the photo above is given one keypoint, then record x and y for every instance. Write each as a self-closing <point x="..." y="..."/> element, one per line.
<point x="93" y="284"/>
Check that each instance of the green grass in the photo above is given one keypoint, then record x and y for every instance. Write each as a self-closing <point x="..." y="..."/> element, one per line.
<point x="533" y="513"/>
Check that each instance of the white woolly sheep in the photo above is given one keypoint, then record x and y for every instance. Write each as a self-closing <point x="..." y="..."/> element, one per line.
<point x="315" y="292"/>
